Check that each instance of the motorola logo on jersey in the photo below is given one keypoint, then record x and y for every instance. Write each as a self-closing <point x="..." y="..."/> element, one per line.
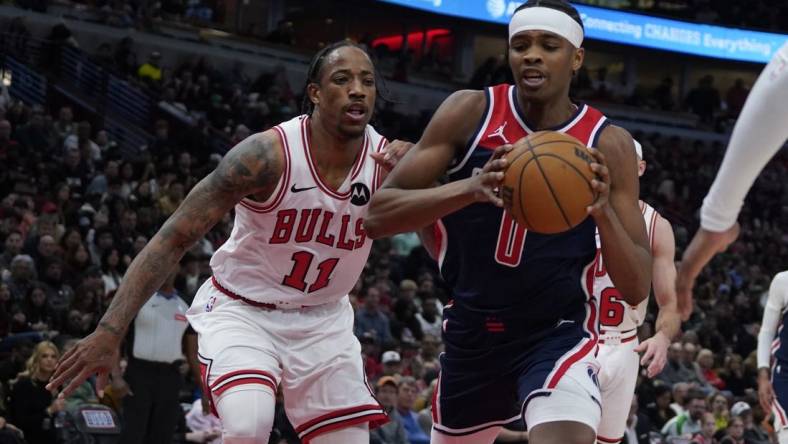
<point x="359" y="194"/>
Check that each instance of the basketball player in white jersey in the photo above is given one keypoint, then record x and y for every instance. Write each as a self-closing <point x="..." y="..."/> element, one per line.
<point x="619" y="321"/>
<point x="757" y="136"/>
<point x="275" y="315"/>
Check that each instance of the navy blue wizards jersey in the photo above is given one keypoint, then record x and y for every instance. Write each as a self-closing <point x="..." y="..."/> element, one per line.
<point x="498" y="268"/>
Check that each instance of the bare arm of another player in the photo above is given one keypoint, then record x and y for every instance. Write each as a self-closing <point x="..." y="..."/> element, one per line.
<point x="655" y="348"/>
<point x="622" y="230"/>
<point x="758" y="135"/>
<point x="252" y="167"/>
<point x="772" y="315"/>
<point x="406" y="201"/>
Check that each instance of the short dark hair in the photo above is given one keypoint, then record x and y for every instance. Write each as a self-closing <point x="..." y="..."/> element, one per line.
<point x="693" y="395"/>
<point x="560" y="5"/>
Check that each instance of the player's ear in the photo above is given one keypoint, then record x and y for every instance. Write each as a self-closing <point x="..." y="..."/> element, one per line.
<point x="313" y="90"/>
<point x="577" y="58"/>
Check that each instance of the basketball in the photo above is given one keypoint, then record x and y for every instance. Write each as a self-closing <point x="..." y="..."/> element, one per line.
<point x="547" y="185"/>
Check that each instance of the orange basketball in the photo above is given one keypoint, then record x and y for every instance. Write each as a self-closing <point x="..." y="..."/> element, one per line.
<point x="547" y="185"/>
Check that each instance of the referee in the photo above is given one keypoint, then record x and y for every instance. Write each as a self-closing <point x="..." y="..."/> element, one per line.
<point x="151" y="410"/>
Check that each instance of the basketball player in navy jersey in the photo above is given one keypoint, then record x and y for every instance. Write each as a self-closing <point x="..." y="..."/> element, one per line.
<point x="275" y="313"/>
<point x="521" y="331"/>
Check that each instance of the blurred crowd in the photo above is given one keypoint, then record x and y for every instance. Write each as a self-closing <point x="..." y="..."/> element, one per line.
<point x="75" y="210"/>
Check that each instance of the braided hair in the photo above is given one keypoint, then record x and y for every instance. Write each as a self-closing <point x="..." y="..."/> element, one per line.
<point x="316" y="70"/>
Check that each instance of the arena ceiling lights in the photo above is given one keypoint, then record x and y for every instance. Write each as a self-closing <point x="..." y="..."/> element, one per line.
<point x="630" y="29"/>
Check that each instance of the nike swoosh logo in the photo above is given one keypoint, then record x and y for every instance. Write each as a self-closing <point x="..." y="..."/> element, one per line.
<point x="298" y="190"/>
<point x="564" y="321"/>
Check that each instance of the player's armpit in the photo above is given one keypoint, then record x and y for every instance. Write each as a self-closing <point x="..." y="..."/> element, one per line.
<point x="622" y="229"/>
<point x="407" y="201"/>
<point x="664" y="279"/>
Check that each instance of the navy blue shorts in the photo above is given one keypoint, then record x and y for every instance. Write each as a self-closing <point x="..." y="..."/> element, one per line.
<point x="493" y="369"/>
<point x="780" y="386"/>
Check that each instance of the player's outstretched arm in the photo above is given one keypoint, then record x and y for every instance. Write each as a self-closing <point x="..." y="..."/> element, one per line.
<point x="772" y="314"/>
<point x="407" y="201"/>
<point x="655" y="348"/>
<point x="617" y="214"/>
<point x="252" y="167"/>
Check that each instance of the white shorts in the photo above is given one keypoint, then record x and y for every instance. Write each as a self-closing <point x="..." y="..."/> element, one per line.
<point x="574" y="398"/>
<point x="310" y="353"/>
<point x="617" y="378"/>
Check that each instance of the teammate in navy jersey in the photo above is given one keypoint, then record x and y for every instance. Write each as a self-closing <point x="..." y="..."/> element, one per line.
<point x="773" y="356"/>
<point x="521" y="331"/>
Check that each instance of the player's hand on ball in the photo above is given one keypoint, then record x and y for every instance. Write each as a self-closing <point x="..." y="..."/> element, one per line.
<point x="388" y="157"/>
<point x="704" y="245"/>
<point x="96" y="353"/>
<point x="655" y="353"/>
<point x="485" y="186"/>
<point x="601" y="184"/>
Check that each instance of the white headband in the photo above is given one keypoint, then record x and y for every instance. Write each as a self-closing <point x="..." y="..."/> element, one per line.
<point x="638" y="149"/>
<point x="546" y="19"/>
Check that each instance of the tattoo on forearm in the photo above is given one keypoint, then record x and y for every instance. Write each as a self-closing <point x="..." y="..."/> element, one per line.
<point x="252" y="167"/>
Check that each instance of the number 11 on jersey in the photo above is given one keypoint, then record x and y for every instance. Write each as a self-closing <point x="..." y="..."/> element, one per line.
<point x="302" y="261"/>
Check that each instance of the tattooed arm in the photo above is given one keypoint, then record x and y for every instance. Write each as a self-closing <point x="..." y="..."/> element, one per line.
<point x="253" y="167"/>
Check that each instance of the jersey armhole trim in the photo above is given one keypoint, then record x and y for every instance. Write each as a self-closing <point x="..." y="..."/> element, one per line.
<point x="377" y="175"/>
<point x="473" y="142"/>
<point x="283" y="181"/>
<point x="596" y="133"/>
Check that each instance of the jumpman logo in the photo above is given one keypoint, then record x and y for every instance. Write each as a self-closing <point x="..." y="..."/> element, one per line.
<point x="499" y="133"/>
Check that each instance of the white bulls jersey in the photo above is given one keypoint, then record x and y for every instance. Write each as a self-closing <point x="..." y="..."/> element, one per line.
<point x="306" y="245"/>
<point x="614" y="313"/>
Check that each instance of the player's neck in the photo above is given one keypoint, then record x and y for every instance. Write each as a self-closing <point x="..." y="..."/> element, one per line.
<point x="547" y="114"/>
<point x="330" y="149"/>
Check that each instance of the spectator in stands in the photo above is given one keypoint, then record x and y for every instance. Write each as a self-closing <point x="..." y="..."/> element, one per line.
<point x="663" y="95"/>
<point x="392" y="363"/>
<point x="705" y="363"/>
<point x="735" y="432"/>
<point x="22" y="277"/>
<point x="81" y="141"/>
<point x="719" y="409"/>
<point x="707" y="430"/>
<point x="37" y="314"/>
<point x="688" y="423"/>
<point x="392" y="432"/>
<point x="370" y="319"/>
<point x="753" y="432"/>
<point x="10" y="367"/>
<point x="64" y="125"/>
<point x="150" y="71"/>
<point x="431" y="322"/>
<point x="735" y="97"/>
<point x="406" y="398"/>
<point x="704" y="100"/>
<point x="11" y="248"/>
<point x="32" y="406"/>
<point x="284" y="34"/>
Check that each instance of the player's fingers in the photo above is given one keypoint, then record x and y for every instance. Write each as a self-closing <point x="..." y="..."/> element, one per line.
<point x="598" y="156"/>
<point x="492" y="178"/>
<point x="66" y="357"/>
<point x="101" y="383"/>
<point x="496" y="165"/>
<point x="601" y="171"/>
<point x="75" y="383"/>
<point x="65" y="374"/>
<point x="500" y="151"/>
